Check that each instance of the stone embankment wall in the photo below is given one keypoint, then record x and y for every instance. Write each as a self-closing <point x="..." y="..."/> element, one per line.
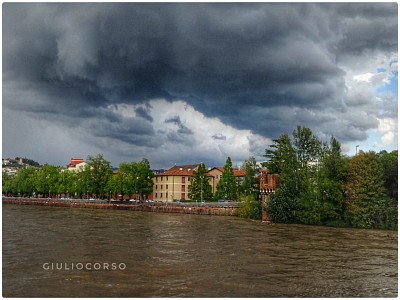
<point x="160" y="208"/>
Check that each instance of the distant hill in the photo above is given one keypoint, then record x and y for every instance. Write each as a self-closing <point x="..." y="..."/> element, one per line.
<point x="19" y="162"/>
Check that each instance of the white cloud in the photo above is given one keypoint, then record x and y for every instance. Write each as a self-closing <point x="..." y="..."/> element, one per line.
<point x="198" y="141"/>
<point x="388" y="129"/>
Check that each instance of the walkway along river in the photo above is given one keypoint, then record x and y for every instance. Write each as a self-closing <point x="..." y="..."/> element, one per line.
<point x="219" y="209"/>
<point x="181" y="255"/>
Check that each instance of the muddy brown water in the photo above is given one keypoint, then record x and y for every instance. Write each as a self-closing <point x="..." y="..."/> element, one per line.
<point x="74" y="252"/>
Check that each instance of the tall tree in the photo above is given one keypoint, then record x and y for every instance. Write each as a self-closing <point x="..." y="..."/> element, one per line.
<point x="331" y="183"/>
<point x="366" y="197"/>
<point x="135" y="178"/>
<point x="98" y="172"/>
<point x="46" y="180"/>
<point x="200" y="188"/>
<point x="282" y="159"/>
<point x="250" y="185"/>
<point x="389" y="161"/>
<point x="227" y="186"/>
<point x="144" y="179"/>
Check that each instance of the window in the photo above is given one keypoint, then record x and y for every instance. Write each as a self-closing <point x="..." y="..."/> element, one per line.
<point x="183" y="196"/>
<point x="183" y="188"/>
<point x="166" y="186"/>
<point x="183" y="179"/>
<point x="156" y="187"/>
<point x="161" y="186"/>
<point x="160" y="195"/>
<point x="156" y="195"/>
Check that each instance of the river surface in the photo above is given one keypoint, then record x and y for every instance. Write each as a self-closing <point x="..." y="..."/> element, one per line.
<point x="138" y="254"/>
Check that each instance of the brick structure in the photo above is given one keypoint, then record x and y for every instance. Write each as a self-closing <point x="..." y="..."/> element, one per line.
<point x="268" y="185"/>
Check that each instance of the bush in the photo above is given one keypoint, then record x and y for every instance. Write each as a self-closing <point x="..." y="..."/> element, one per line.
<point x="250" y="208"/>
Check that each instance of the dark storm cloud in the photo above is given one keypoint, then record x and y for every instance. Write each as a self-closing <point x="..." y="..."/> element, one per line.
<point x="258" y="66"/>
<point x="182" y="129"/>
<point x="219" y="136"/>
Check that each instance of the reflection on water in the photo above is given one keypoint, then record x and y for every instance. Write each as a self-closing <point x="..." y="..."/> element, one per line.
<point x="171" y="255"/>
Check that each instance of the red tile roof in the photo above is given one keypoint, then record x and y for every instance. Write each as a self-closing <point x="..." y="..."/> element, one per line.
<point x="176" y="172"/>
<point x="75" y="161"/>
<point x="239" y="173"/>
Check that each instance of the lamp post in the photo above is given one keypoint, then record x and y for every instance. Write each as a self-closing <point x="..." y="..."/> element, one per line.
<point x="201" y="192"/>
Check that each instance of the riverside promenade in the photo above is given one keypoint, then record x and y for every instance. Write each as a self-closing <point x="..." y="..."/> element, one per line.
<point x="210" y="208"/>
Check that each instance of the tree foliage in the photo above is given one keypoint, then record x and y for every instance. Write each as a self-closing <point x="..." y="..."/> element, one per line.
<point x="227" y="187"/>
<point x="97" y="173"/>
<point x="319" y="185"/>
<point x="367" y="200"/>
<point x="250" y="184"/>
<point x="95" y="180"/>
<point x="200" y="188"/>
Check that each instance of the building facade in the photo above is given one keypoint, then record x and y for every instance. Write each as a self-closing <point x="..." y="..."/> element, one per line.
<point x="76" y="164"/>
<point x="174" y="183"/>
<point x="216" y="175"/>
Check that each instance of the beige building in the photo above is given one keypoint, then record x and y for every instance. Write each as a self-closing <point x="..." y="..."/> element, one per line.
<point x="174" y="183"/>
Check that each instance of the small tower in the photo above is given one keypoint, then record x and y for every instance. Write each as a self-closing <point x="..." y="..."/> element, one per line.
<point x="268" y="185"/>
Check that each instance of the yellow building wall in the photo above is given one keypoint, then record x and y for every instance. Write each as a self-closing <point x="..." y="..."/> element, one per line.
<point x="172" y="187"/>
<point x="214" y="179"/>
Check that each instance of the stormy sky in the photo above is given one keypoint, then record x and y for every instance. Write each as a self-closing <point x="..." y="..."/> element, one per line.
<point x="182" y="83"/>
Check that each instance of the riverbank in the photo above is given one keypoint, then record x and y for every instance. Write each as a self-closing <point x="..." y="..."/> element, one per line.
<point x="146" y="207"/>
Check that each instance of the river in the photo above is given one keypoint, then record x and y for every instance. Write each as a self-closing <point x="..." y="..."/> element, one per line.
<point x="72" y="252"/>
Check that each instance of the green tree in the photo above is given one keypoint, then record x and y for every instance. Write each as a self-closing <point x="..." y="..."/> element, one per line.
<point x="280" y="156"/>
<point x="282" y="159"/>
<point x="389" y="161"/>
<point x="200" y="188"/>
<point x="308" y="151"/>
<point x="135" y="178"/>
<point x="250" y="185"/>
<point x="227" y="186"/>
<point x="46" y="180"/>
<point x="144" y="179"/>
<point x="307" y="146"/>
<point x="332" y="176"/>
<point x="312" y="177"/>
<point x="66" y="179"/>
<point x="250" y="207"/>
<point x="23" y="182"/>
<point x="6" y="183"/>
<point x="97" y="172"/>
<point x="366" y="199"/>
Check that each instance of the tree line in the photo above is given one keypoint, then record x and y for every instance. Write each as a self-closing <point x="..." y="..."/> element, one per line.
<point x="320" y="185"/>
<point x="94" y="181"/>
<point x="229" y="187"/>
